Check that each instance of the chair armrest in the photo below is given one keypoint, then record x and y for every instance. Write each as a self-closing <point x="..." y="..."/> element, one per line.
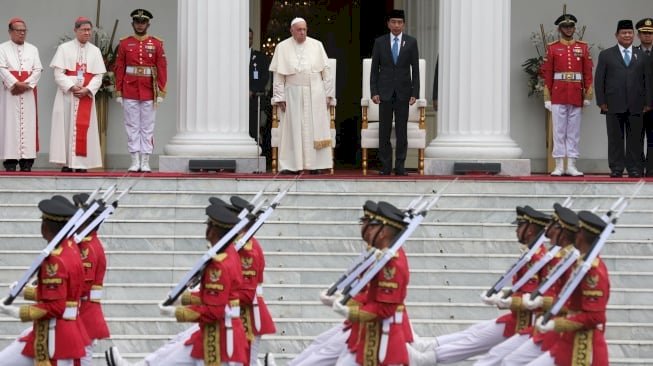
<point x="365" y="102"/>
<point x="421" y="103"/>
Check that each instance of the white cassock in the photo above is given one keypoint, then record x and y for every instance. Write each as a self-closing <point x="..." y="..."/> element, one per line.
<point x="69" y="137"/>
<point x="303" y="80"/>
<point x="18" y="132"/>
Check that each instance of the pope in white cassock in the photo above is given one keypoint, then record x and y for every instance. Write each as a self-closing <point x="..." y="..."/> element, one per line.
<point x="78" y="69"/>
<point x="303" y="89"/>
<point x="20" y="70"/>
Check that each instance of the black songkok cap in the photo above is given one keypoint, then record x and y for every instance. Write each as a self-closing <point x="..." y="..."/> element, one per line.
<point x="141" y="14"/>
<point x="624" y="24"/>
<point x="645" y="25"/>
<point x="566" y="217"/>
<point x="56" y="210"/>
<point x="240" y="204"/>
<point x="388" y="214"/>
<point x="397" y="13"/>
<point x="369" y="210"/>
<point x="221" y="216"/>
<point x="566" y="19"/>
<point x="590" y="222"/>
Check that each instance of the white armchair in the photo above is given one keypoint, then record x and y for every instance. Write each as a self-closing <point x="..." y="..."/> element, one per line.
<point x="274" y="132"/>
<point x="416" y="119"/>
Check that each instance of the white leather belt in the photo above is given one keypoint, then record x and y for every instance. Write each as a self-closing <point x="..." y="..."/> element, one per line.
<point x="139" y="70"/>
<point x="568" y="76"/>
<point x="398" y="318"/>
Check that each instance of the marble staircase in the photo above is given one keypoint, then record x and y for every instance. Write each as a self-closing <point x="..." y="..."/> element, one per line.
<point x="464" y="244"/>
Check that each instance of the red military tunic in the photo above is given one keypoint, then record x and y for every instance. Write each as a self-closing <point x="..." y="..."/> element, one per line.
<point x="548" y="339"/>
<point x="567" y="73"/>
<point x="252" y="261"/>
<point x="219" y="288"/>
<point x="57" y="296"/>
<point x="95" y="266"/>
<point x="582" y="341"/>
<point x="140" y="64"/>
<point x="519" y="319"/>
<point x="384" y="304"/>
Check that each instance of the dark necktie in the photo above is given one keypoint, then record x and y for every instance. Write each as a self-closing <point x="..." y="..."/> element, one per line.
<point x="395" y="50"/>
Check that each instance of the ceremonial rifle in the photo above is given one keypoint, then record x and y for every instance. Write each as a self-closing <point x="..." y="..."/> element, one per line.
<point x="580" y="271"/>
<point x="367" y="256"/>
<point x="101" y="217"/>
<point x="260" y="219"/>
<point x="420" y="212"/>
<point x="570" y="258"/>
<point x="69" y="228"/>
<point x="193" y="276"/>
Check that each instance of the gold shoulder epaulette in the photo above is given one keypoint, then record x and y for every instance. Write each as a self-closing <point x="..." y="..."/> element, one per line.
<point x="57" y="251"/>
<point x="125" y="37"/>
<point x="554" y="42"/>
<point x="220" y="257"/>
<point x="579" y="41"/>
<point x="159" y="38"/>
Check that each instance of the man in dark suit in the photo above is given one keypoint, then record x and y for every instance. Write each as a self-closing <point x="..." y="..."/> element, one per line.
<point x="258" y="80"/>
<point x="623" y="92"/>
<point x="645" y="34"/>
<point x="394" y="83"/>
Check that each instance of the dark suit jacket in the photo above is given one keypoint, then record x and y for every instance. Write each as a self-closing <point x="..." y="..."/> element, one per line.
<point x="623" y="88"/>
<point x="387" y="78"/>
<point x="258" y="62"/>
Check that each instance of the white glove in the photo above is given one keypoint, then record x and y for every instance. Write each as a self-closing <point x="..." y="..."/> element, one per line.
<point x="543" y="328"/>
<point x="490" y="300"/>
<point x="532" y="304"/>
<point x="547" y="104"/>
<point x="159" y="100"/>
<point x="119" y="100"/>
<point x="326" y="299"/>
<point x="10" y="310"/>
<point x="504" y="303"/>
<point x="587" y="102"/>
<point x="341" y="309"/>
<point x="166" y="310"/>
<point x="13" y="285"/>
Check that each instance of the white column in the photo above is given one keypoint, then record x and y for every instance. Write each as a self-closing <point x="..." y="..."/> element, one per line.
<point x="474" y="90"/>
<point x="212" y="61"/>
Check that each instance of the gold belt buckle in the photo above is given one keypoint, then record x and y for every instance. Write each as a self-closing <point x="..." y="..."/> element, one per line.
<point x="140" y="70"/>
<point x="569" y="76"/>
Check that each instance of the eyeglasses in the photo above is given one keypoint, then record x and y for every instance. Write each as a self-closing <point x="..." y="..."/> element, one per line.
<point x="19" y="30"/>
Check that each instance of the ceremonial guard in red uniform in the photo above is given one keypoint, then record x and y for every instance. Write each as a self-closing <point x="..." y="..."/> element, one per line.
<point x="481" y="337"/>
<point x="567" y="73"/>
<point x="582" y="328"/>
<point x="220" y="339"/>
<point x="141" y="75"/>
<point x="95" y="267"/>
<point x="381" y="336"/>
<point x="57" y="337"/>
<point x="254" y="312"/>
<point x="528" y="343"/>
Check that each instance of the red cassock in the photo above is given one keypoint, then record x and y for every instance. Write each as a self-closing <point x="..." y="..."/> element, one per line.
<point x="219" y="289"/>
<point x="140" y="63"/>
<point x="518" y="320"/>
<point x="567" y="73"/>
<point x="95" y="267"/>
<point x="254" y="312"/>
<point x="381" y="316"/>
<point x="57" y="296"/>
<point x="584" y="343"/>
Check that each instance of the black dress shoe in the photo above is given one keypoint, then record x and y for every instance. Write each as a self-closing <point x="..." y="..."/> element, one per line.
<point x="634" y="175"/>
<point x="383" y="172"/>
<point x="80" y="170"/>
<point x="25" y="169"/>
<point x="66" y="170"/>
<point x="288" y="172"/>
<point x="400" y="172"/>
<point x="315" y="172"/>
<point x="616" y="174"/>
